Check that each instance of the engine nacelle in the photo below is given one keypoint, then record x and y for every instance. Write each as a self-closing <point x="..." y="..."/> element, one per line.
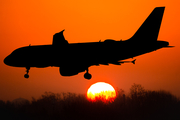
<point x="69" y="71"/>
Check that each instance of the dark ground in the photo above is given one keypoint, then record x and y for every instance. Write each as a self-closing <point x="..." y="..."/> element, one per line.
<point x="140" y="104"/>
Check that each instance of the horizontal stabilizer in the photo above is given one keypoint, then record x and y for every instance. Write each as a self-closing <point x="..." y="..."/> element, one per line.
<point x="119" y="63"/>
<point x="133" y="61"/>
<point x="170" y="46"/>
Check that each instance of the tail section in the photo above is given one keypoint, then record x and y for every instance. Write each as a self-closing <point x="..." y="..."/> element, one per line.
<point x="149" y="30"/>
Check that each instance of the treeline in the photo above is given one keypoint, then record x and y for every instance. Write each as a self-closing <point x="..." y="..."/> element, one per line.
<point x="140" y="104"/>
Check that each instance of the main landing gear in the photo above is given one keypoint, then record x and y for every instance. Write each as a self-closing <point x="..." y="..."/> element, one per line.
<point x="87" y="75"/>
<point x="27" y="71"/>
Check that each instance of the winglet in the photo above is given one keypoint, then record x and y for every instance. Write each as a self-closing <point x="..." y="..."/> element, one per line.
<point x="58" y="39"/>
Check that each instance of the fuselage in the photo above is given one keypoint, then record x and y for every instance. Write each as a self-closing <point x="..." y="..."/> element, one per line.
<point x="92" y="53"/>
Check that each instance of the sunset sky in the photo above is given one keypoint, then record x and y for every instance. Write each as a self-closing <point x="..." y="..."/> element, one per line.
<point x="24" y="22"/>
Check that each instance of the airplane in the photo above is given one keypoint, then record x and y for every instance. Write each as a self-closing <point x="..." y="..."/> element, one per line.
<point x="73" y="58"/>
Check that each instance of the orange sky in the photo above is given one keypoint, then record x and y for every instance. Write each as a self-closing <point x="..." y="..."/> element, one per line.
<point x="24" y="22"/>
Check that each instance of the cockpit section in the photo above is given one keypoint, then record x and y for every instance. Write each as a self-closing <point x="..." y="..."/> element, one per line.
<point x="16" y="58"/>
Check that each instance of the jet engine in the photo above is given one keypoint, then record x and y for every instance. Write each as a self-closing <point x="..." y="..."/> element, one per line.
<point x="69" y="71"/>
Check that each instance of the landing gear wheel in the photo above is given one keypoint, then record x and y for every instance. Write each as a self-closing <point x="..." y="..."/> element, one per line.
<point x="27" y="71"/>
<point x="87" y="76"/>
<point x="26" y="76"/>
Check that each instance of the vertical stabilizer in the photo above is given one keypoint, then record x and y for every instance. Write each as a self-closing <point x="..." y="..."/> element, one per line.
<point x="149" y="30"/>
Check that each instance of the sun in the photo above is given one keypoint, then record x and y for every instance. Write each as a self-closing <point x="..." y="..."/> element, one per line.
<point x="101" y="91"/>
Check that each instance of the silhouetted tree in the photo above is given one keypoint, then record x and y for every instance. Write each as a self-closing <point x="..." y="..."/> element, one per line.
<point x="140" y="104"/>
<point x="137" y="90"/>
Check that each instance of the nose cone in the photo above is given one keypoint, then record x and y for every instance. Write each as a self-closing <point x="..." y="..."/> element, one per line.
<point x="12" y="60"/>
<point x="7" y="60"/>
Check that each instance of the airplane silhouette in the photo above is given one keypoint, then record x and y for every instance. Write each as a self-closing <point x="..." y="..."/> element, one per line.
<point x="78" y="57"/>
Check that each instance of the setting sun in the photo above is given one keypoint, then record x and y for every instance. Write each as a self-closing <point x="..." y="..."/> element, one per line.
<point x="101" y="91"/>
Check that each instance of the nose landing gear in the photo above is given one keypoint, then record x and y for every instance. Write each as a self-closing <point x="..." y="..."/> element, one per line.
<point x="87" y="75"/>
<point x="27" y="71"/>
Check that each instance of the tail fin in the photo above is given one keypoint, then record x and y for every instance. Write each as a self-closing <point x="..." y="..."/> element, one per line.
<point x="149" y="30"/>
